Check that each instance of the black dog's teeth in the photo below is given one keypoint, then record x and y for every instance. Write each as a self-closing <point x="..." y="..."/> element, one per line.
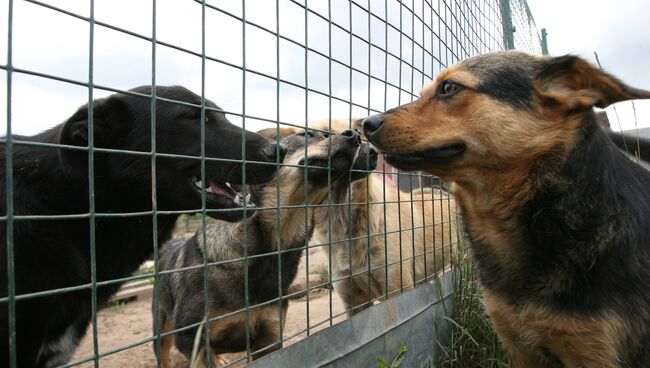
<point x="244" y="201"/>
<point x="197" y="182"/>
<point x="239" y="198"/>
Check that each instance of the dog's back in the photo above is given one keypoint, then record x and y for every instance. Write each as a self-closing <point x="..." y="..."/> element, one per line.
<point x="633" y="145"/>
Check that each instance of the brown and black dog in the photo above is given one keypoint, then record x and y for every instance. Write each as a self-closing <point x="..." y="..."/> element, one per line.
<point x="556" y="215"/>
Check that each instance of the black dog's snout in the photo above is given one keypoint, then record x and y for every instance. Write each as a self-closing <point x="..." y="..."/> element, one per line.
<point x="351" y="134"/>
<point x="372" y="124"/>
<point x="276" y="152"/>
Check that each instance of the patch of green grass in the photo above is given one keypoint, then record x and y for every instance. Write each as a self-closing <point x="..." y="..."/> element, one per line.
<point x="397" y="361"/>
<point x="118" y="304"/>
<point x="473" y="342"/>
<point x="144" y="271"/>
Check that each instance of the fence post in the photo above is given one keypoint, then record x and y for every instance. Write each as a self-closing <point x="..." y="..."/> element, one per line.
<point x="506" y="22"/>
<point x="544" y="42"/>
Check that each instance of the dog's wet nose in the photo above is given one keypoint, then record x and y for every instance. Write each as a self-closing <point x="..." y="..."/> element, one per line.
<point x="351" y="134"/>
<point x="372" y="124"/>
<point x="276" y="152"/>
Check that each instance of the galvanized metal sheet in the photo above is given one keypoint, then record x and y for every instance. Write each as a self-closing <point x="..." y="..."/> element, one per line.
<point x="415" y="319"/>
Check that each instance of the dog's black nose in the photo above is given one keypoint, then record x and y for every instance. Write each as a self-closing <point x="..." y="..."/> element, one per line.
<point x="276" y="152"/>
<point x="372" y="124"/>
<point x="351" y="134"/>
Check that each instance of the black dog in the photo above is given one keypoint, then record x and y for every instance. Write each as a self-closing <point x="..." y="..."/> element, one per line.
<point x="55" y="253"/>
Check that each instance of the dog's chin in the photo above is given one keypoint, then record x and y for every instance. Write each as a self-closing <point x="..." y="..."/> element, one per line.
<point x="363" y="165"/>
<point x="439" y="156"/>
<point x="234" y="215"/>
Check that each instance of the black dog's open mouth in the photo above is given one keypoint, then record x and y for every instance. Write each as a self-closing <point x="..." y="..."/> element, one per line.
<point x="416" y="160"/>
<point x="221" y="194"/>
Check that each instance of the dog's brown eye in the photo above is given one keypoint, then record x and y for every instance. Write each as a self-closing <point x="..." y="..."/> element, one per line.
<point x="306" y="133"/>
<point x="448" y="88"/>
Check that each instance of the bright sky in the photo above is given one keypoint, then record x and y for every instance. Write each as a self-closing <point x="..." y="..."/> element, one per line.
<point x="53" y="43"/>
<point x="617" y="30"/>
<point x="49" y="42"/>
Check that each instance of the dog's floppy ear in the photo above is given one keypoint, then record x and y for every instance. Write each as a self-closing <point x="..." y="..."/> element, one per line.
<point x="272" y="133"/>
<point x="110" y="120"/>
<point x="574" y="84"/>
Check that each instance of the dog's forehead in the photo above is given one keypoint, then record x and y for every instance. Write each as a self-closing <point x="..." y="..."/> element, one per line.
<point x="506" y="76"/>
<point x="454" y="73"/>
<point x="296" y="142"/>
<point x="500" y="63"/>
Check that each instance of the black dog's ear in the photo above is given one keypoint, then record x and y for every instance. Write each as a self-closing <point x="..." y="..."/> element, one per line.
<point x="574" y="84"/>
<point x="110" y="121"/>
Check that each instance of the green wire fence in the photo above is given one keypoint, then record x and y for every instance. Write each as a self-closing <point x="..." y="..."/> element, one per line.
<point x="352" y="58"/>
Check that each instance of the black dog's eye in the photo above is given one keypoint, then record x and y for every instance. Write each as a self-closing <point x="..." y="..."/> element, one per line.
<point x="448" y="88"/>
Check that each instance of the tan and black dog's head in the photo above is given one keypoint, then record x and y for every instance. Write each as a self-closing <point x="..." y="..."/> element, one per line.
<point x="321" y="155"/>
<point x="367" y="159"/>
<point x="494" y="112"/>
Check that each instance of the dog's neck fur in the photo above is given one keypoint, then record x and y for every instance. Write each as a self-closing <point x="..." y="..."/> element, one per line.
<point x="336" y="220"/>
<point x="581" y="202"/>
<point x="295" y="223"/>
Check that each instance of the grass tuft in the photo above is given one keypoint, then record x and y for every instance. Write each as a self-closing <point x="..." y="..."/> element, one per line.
<point x="473" y="342"/>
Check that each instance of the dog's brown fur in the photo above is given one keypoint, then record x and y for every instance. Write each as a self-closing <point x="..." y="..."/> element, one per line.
<point x="556" y="215"/>
<point x="410" y="237"/>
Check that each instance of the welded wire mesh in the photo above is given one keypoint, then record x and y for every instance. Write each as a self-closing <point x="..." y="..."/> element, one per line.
<point x="279" y="64"/>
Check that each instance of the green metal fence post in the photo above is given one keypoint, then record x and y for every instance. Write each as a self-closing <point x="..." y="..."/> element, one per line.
<point x="506" y="23"/>
<point x="544" y="42"/>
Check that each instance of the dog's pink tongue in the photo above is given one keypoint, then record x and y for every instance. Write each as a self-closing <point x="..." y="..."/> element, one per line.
<point x="217" y="189"/>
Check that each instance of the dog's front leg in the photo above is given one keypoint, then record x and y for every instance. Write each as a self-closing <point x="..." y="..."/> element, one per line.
<point x="519" y="354"/>
<point x="521" y="350"/>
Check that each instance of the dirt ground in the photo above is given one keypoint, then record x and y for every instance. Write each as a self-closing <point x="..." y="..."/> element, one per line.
<point x="123" y="325"/>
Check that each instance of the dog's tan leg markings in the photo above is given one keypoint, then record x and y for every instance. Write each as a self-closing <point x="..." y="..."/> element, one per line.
<point x="166" y="343"/>
<point x="577" y="341"/>
<point x="268" y="332"/>
<point x="519" y="349"/>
